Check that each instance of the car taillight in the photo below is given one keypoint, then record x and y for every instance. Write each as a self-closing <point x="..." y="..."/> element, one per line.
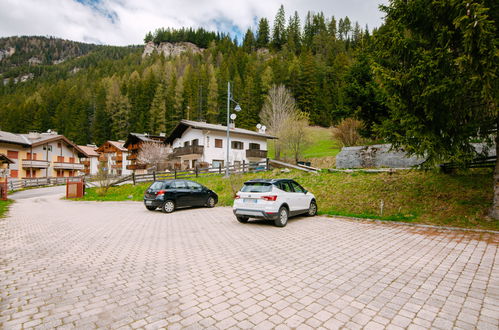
<point x="269" y="198"/>
<point x="161" y="192"/>
<point x="237" y="197"/>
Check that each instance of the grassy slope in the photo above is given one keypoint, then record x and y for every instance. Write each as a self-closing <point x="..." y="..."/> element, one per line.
<point x="321" y="144"/>
<point x="4" y="207"/>
<point x="459" y="200"/>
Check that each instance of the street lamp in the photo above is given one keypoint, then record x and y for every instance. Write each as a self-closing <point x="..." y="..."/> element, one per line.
<point x="237" y="108"/>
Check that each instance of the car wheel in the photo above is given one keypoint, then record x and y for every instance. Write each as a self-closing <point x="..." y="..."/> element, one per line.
<point x="151" y="208"/>
<point x="210" y="202"/>
<point x="242" y="219"/>
<point x="168" y="207"/>
<point x="282" y="217"/>
<point x="312" y="209"/>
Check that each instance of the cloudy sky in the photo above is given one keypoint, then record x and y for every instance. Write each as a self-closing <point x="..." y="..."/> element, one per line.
<point x="124" y="22"/>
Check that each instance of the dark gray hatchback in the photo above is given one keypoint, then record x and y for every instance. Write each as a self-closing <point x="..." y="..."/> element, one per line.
<point x="172" y="194"/>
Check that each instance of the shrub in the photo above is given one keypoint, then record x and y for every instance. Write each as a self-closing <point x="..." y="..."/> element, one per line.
<point x="347" y="132"/>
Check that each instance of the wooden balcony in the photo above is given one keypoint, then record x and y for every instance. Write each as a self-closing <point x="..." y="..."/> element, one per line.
<point x="102" y="158"/>
<point x="136" y="167"/>
<point x="256" y="153"/>
<point x="118" y="158"/>
<point x="68" y="166"/>
<point x="85" y="162"/>
<point x="131" y="157"/>
<point x="189" y="150"/>
<point x="27" y="163"/>
<point x="118" y="166"/>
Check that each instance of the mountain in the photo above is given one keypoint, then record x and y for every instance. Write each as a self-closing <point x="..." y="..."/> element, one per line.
<point x="92" y="93"/>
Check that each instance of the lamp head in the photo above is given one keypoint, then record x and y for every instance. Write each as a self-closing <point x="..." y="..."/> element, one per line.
<point x="237" y="108"/>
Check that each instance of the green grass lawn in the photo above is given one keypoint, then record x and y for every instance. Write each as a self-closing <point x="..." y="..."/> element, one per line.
<point x="4" y="207"/>
<point x="428" y="197"/>
<point x="321" y="144"/>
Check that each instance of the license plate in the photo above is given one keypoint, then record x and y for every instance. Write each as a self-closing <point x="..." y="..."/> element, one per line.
<point x="250" y="200"/>
<point x="148" y="202"/>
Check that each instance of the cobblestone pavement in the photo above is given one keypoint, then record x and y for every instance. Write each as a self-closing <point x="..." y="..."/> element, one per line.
<point x="117" y="265"/>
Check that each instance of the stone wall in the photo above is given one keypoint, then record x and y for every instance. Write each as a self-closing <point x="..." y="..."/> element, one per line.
<point x="378" y="155"/>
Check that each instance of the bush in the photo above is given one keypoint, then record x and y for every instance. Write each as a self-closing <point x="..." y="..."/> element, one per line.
<point x="347" y="132"/>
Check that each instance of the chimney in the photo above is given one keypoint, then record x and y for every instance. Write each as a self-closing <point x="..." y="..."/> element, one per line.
<point x="33" y="135"/>
<point x="162" y="134"/>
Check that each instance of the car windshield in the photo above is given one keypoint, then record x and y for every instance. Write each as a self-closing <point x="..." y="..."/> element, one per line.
<point x="256" y="187"/>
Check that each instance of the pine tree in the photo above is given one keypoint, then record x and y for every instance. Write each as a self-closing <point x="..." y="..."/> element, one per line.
<point x="249" y="41"/>
<point x="157" y="113"/>
<point x="213" y="110"/>
<point x="279" y="29"/>
<point x="263" y="33"/>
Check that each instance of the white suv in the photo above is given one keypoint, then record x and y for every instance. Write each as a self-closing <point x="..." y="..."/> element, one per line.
<point x="274" y="199"/>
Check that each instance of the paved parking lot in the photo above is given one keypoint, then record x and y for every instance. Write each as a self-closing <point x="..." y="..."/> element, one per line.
<point x="116" y="265"/>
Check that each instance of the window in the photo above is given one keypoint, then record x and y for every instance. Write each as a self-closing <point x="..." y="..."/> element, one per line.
<point x="31" y="156"/>
<point x="47" y="147"/>
<point x="14" y="173"/>
<point x="59" y="145"/>
<point x="284" y="186"/>
<point x="254" y="146"/>
<point x="12" y="154"/>
<point x="60" y="159"/>
<point x="193" y="185"/>
<point x="195" y="142"/>
<point x="71" y="159"/>
<point x="178" y="185"/>
<point x="237" y="145"/>
<point x="218" y="143"/>
<point x="256" y="187"/>
<point x="217" y="163"/>
<point x="186" y="143"/>
<point x="297" y="187"/>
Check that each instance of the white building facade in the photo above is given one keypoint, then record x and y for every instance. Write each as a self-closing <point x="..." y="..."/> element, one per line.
<point x="205" y="145"/>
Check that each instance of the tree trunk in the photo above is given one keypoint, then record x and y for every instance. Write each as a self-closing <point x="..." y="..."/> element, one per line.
<point x="494" y="212"/>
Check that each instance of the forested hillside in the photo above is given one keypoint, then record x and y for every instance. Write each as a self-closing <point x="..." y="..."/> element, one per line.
<point x="110" y="91"/>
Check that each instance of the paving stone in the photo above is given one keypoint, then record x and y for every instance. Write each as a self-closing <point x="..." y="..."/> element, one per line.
<point x="111" y="265"/>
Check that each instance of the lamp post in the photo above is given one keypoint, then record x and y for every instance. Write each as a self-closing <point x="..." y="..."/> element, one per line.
<point x="237" y="108"/>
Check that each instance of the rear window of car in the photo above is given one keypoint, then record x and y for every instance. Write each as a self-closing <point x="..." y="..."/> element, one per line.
<point x="257" y="187"/>
<point x="158" y="185"/>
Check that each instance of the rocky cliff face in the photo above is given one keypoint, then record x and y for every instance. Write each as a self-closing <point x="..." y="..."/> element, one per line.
<point x="170" y="49"/>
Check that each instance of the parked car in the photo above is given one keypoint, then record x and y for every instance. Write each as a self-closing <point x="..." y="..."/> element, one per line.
<point x="172" y="194"/>
<point x="273" y="199"/>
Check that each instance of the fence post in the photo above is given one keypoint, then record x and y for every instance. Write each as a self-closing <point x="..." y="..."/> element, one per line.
<point x="175" y="174"/>
<point x="244" y="164"/>
<point x="154" y="175"/>
<point x="267" y="165"/>
<point x="219" y="168"/>
<point x="133" y="178"/>
<point x="197" y="171"/>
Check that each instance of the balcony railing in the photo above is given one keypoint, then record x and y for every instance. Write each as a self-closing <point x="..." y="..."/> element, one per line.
<point x="85" y="162"/>
<point x="35" y="163"/>
<point x="256" y="153"/>
<point x="136" y="167"/>
<point x="103" y="158"/>
<point x="118" y="158"/>
<point x="117" y="166"/>
<point x="131" y="157"/>
<point x="189" y="150"/>
<point x="68" y="166"/>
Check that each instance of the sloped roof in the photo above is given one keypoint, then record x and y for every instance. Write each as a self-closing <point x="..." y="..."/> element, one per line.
<point x="5" y="160"/>
<point x="90" y="151"/>
<point x="13" y="138"/>
<point x="184" y="124"/>
<point x="119" y="145"/>
<point x="137" y="137"/>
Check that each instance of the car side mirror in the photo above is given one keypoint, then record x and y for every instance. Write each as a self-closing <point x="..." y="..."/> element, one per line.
<point x="305" y="191"/>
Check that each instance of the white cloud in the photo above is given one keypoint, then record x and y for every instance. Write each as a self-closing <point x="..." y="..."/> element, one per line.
<point x="123" y="22"/>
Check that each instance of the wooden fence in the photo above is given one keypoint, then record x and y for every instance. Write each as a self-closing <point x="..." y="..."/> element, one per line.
<point x="194" y="173"/>
<point x="476" y="163"/>
<point x="16" y="184"/>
